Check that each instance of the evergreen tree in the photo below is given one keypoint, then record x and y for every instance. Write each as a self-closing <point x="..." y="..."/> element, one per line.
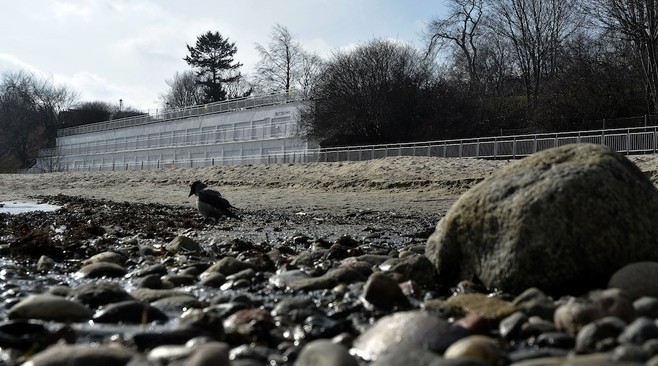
<point x="212" y="58"/>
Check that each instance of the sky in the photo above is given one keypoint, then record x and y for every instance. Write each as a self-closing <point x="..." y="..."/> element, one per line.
<point x="107" y="50"/>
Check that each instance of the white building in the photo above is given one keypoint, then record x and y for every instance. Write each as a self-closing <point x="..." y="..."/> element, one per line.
<point x="244" y="131"/>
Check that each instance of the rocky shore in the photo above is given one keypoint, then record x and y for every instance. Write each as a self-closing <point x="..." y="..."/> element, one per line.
<point x="127" y="272"/>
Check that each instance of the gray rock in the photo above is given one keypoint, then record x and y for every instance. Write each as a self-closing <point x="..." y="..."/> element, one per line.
<point x="383" y="292"/>
<point x="589" y="338"/>
<point x="99" y="293"/>
<point x="412" y="328"/>
<point x="636" y="279"/>
<point x="177" y="303"/>
<point x="102" y="269"/>
<point x="646" y="306"/>
<point x="75" y="355"/>
<point x="639" y="331"/>
<point x="328" y="280"/>
<point x="406" y="356"/>
<point x="325" y="353"/>
<point x="48" y="307"/>
<point x="183" y="244"/>
<point x="150" y="295"/>
<point x="227" y="266"/>
<point x="129" y="312"/>
<point x="477" y="347"/>
<point x="213" y="353"/>
<point x="562" y="219"/>
<point x="110" y="257"/>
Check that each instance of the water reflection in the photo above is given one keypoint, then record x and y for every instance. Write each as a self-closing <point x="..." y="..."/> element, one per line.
<point x="16" y="207"/>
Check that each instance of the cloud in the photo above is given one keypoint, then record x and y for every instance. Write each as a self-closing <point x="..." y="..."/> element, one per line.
<point x="11" y="63"/>
<point x="66" y="11"/>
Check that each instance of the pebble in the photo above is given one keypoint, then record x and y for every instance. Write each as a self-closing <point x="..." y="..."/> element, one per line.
<point x="129" y="312"/>
<point x="414" y="328"/>
<point x="213" y="353"/>
<point x="325" y="353"/>
<point x="48" y="307"/>
<point x="183" y="244"/>
<point x="82" y="355"/>
<point x="479" y="348"/>
<point x="382" y="291"/>
<point x="102" y="269"/>
<point x="487" y="306"/>
<point x="632" y="278"/>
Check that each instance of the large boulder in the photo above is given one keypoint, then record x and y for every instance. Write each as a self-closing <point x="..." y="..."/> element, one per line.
<point x="564" y="219"/>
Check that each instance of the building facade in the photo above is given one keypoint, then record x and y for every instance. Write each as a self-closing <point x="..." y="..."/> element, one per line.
<point x="245" y="131"/>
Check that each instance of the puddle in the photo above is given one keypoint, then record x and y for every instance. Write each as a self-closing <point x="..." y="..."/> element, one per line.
<point x="16" y="207"/>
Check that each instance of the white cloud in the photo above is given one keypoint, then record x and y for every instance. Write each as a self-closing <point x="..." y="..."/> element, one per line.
<point x="66" y="11"/>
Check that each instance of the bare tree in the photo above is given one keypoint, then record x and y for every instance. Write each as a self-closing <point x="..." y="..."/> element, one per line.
<point x="462" y="28"/>
<point x="184" y="91"/>
<point x="284" y="67"/>
<point x="637" y="22"/>
<point x="30" y="113"/>
<point x="277" y="68"/>
<point x="536" y="29"/>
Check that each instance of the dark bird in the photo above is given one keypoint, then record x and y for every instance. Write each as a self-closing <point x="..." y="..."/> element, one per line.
<point x="211" y="203"/>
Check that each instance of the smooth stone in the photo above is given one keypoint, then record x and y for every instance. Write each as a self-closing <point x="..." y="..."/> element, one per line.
<point x="589" y="337"/>
<point x="109" y="257"/>
<point x="150" y="295"/>
<point x="45" y="263"/>
<point x="636" y="279"/>
<point x="383" y="292"/>
<point x="176" y="303"/>
<point x="414" y="267"/>
<point x="183" y="244"/>
<point x="510" y="327"/>
<point x="167" y="354"/>
<point x="214" y="280"/>
<point x="249" y="324"/>
<point x="129" y="312"/>
<point x="48" y="307"/>
<point x="212" y="353"/>
<point x="631" y="353"/>
<point x="99" y="293"/>
<point x="577" y="312"/>
<point x="414" y="328"/>
<point x="639" y="331"/>
<point x="541" y="222"/>
<point x="479" y="348"/>
<point x="144" y="340"/>
<point x="555" y="340"/>
<point x="330" y="279"/>
<point x="323" y="352"/>
<point x="102" y="269"/>
<point x="227" y="266"/>
<point x="83" y="354"/>
<point x="486" y="306"/>
<point x="535" y="302"/>
<point x="646" y="306"/>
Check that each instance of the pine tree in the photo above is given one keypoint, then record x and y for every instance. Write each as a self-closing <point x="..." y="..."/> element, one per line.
<point x="212" y="59"/>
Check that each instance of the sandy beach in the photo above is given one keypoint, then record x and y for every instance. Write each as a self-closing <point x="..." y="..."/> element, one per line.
<point x="409" y="184"/>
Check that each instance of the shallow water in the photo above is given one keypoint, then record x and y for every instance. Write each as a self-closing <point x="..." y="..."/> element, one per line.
<point x="16" y="207"/>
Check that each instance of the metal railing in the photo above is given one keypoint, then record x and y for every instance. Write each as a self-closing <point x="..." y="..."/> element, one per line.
<point x="180" y="113"/>
<point x="623" y="140"/>
<point x="626" y="141"/>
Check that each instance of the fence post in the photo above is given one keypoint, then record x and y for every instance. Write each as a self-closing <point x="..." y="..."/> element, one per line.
<point x="495" y="149"/>
<point x="514" y="148"/>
